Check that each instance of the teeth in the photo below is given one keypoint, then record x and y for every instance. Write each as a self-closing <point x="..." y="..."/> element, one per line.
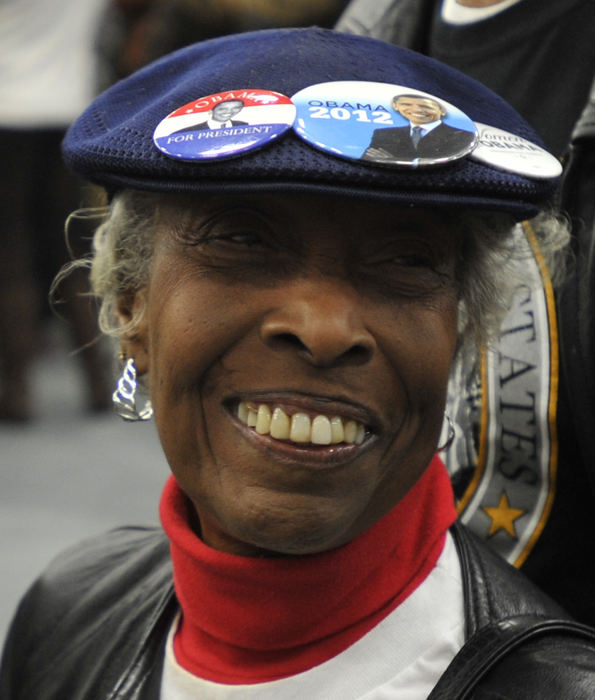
<point x="300" y="428"/>
<point x="263" y="420"/>
<point x="280" y="425"/>
<point x="252" y="418"/>
<point x="337" y="432"/>
<point x="360" y="435"/>
<point x="243" y="412"/>
<point x="350" y="431"/>
<point x="321" y="431"/>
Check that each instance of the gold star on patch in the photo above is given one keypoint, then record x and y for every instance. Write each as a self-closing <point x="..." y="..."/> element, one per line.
<point x="503" y="517"/>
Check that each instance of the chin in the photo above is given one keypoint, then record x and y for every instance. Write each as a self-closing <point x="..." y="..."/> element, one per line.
<point x="299" y="531"/>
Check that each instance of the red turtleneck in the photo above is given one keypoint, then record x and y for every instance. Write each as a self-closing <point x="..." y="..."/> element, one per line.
<point x="251" y="620"/>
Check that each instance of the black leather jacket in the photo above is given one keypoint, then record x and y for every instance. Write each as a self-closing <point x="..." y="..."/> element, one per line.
<point x="93" y="627"/>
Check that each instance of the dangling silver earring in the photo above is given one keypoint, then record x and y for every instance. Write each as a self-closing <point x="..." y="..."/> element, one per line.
<point x="125" y="395"/>
<point x="451" y="435"/>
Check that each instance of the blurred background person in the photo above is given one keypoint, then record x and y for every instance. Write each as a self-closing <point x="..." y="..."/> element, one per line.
<point x="135" y="32"/>
<point x="47" y="75"/>
<point x="526" y="482"/>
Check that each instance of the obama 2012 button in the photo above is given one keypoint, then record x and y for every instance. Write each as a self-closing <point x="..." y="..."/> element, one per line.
<point x="382" y="124"/>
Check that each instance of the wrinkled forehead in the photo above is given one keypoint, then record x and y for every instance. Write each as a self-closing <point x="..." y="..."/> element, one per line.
<point x="316" y="213"/>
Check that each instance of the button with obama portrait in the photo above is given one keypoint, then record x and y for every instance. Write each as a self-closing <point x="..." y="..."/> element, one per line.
<point x="514" y="154"/>
<point x="382" y="124"/>
<point x="224" y="124"/>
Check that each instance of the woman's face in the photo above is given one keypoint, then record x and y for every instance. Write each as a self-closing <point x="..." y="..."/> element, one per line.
<point x="340" y="311"/>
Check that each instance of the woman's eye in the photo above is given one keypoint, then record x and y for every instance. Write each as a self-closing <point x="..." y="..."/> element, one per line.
<point x="413" y="273"/>
<point x="223" y="238"/>
<point x="229" y="229"/>
<point x="245" y="238"/>
<point x="414" y="261"/>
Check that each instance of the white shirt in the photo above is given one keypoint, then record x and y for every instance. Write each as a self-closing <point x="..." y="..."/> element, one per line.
<point x="401" y="658"/>
<point x="425" y="128"/>
<point x="454" y="13"/>
<point x="213" y="124"/>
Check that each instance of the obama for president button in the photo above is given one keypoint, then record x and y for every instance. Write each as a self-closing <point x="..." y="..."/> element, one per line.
<point x="224" y="124"/>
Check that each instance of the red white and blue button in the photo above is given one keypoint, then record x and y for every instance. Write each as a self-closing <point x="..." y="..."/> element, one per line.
<point x="224" y="124"/>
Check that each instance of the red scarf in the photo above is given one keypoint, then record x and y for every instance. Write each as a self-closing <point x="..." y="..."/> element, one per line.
<point x="251" y="620"/>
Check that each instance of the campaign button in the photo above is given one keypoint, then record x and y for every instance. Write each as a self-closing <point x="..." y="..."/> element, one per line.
<point x="514" y="154"/>
<point x="382" y="124"/>
<point x="224" y="125"/>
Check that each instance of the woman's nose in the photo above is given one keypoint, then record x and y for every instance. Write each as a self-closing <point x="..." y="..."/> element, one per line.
<point x="322" y="321"/>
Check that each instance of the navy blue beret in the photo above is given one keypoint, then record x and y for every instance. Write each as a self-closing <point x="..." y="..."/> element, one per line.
<point x="111" y="143"/>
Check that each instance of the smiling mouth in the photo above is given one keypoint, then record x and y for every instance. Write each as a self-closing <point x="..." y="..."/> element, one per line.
<point x="300" y="428"/>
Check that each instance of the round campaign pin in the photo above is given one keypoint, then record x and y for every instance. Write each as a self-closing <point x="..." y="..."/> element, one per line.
<point x="381" y="123"/>
<point x="225" y="124"/>
<point x="514" y="154"/>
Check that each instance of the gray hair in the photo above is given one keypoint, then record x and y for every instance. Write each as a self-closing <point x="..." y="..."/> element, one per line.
<point x="491" y="264"/>
<point x="494" y="265"/>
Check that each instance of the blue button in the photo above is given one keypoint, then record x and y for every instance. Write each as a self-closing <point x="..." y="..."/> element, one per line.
<point x="382" y="124"/>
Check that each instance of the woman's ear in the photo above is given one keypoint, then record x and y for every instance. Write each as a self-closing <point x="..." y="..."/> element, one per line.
<point x="130" y="312"/>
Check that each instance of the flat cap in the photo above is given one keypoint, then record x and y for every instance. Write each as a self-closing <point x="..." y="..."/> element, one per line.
<point x="113" y="142"/>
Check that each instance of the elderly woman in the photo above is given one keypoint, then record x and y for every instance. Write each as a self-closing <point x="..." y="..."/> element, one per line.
<point x="295" y="313"/>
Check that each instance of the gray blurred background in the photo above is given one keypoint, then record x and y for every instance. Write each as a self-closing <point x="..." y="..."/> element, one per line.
<point x="67" y="473"/>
